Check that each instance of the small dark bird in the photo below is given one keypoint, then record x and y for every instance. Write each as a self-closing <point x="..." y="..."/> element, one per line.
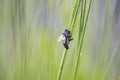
<point x="65" y="38"/>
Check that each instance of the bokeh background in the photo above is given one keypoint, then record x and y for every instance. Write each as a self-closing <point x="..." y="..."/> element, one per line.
<point x="29" y="50"/>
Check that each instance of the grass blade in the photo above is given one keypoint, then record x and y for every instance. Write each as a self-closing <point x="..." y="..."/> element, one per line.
<point x="70" y="27"/>
<point x="81" y="41"/>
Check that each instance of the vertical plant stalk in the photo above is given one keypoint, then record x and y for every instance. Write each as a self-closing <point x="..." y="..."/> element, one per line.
<point x="74" y="15"/>
<point x="82" y="33"/>
<point x="70" y="27"/>
<point x="61" y="65"/>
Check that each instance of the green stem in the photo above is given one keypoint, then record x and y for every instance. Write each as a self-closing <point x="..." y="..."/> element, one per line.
<point x="80" y="45"/>
<point x="79" y="36"/>
<point x="70" y="26"/>
<point x="61" y="65"/>
<point x="74" y="15"/>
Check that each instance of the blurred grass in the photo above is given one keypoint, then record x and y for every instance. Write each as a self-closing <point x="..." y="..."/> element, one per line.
<point x="28" y="40"/>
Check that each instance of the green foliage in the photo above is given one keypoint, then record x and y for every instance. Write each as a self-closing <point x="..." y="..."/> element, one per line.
<point x="28" y="40"/>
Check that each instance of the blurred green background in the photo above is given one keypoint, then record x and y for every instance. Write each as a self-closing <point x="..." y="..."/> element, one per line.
<point x="29" y="50"/>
